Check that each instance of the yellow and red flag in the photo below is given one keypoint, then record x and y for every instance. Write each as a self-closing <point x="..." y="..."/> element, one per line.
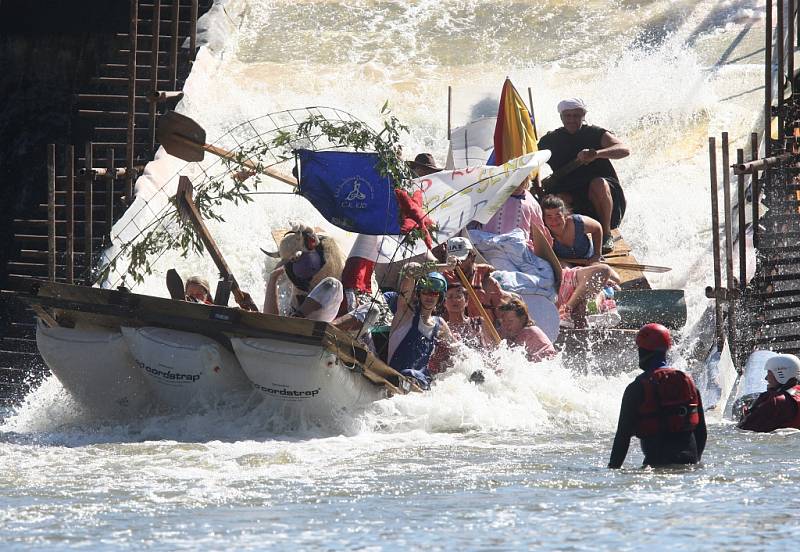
<point x="514" y="134"/>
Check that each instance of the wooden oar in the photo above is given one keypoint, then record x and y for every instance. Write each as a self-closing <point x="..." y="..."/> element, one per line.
<point x="175" y="285"/>
<point x="474" y="298"/>
<point x="183" y="138"/>
<point x="622" y="265"/>
<point x="187" y="206"/>
<point x="550" y="184"/>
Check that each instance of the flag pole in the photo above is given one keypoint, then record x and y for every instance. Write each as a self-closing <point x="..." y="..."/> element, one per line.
<point x="449" y="106"/>
<point x="533" y="117"/>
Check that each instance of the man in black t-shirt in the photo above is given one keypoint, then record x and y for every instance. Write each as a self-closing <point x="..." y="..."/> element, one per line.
<point x="590" y="185"/>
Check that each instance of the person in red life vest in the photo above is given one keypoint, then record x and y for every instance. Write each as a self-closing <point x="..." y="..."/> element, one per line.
<point x="198" y="291"/>
<point x="779" y="405"/>
<point x="662" y="407"/>
<point x="517" y="328"/>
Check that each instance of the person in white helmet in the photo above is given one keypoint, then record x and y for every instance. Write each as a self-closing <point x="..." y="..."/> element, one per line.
<point x="779" y="405"/>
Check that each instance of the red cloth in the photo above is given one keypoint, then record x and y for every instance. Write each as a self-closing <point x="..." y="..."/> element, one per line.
<point x="357" y="274"/>
<point x="412" y="214"/>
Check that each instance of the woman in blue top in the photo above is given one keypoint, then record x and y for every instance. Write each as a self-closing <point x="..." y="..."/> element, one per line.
<point x="571" y="232"/>
<point x="415" y="331"/>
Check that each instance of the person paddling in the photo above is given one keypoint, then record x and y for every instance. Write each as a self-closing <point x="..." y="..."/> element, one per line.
<point x="662" y="407"/>
<point x="779" y="406"/>
<point x="593" y="187"/>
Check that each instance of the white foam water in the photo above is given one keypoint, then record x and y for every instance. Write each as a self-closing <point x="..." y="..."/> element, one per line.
<point x="514" y="463"/>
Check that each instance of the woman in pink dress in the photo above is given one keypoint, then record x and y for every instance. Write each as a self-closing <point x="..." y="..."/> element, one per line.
<point x="517" y="328"/>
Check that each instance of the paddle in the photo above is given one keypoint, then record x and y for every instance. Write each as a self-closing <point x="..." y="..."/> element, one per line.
<point x="474" y="298"/>
<point x="183" y="138"/>
<point x="189" y="209"/>
<point x="619" y="264"/>
<point x="175" y="285"/>
<point x="550" y="184"/>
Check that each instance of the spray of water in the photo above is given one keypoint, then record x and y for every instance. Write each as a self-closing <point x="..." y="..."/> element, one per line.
<point x="659" y="95"/>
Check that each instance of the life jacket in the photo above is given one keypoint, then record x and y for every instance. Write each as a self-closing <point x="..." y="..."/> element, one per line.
<point x="793" y="393"/>
<point x="671" y="403"/>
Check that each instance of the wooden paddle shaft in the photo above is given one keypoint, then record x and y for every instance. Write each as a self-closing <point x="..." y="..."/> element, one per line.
<point x="474" y="298"/>
<point x="185" y="195"/>
<point x="230" y="156"/>
<point x="618" y="264"/>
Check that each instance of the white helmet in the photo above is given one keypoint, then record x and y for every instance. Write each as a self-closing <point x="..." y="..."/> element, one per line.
<point x="783" y="367"/>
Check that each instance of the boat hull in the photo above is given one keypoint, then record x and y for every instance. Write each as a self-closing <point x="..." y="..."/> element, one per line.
<point x="306" y="379"/>
<point x="95" y="366"/>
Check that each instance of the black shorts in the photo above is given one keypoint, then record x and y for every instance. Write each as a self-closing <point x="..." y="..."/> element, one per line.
<point x="582" y="206"/>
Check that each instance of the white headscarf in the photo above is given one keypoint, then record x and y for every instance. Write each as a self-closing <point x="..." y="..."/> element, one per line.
<point x="571" y="103"/>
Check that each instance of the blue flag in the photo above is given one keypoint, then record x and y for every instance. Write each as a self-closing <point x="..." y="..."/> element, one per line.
<point x="348" y="191"/>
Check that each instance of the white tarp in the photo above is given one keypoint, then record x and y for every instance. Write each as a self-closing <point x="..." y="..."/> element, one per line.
<point x="471" y="144"/>
<point x="454" y="198"/>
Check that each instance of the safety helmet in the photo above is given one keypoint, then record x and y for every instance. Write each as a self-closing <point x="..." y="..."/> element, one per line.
<point x="653" y="337"/>
<point x="432" y="281"/>
<point x="783" y="367"/>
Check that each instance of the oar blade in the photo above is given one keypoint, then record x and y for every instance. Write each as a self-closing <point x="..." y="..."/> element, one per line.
<point x="175" y="285"/>
<point x="181" y="136"/>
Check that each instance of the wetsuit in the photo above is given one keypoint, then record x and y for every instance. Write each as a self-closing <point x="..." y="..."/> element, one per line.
<point x="581" y="248"/>
<point x="774" y="409"/>
<point x="564" y="148"/>
<point x="663" y="447"/>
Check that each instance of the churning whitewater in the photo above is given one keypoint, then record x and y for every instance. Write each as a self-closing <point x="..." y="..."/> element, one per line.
<point x="515" y="463"/>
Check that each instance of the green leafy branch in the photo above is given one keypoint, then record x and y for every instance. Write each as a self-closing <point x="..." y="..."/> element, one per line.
<point x="244" y="174"/>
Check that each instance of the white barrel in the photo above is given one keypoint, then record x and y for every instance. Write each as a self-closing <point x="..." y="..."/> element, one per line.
<point x="95" y="367"/>
<point x="303" y="379"/>
<point x="185" y="369"/>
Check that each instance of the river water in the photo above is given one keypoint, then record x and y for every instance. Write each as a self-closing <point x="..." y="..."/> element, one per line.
<point x="516" y="463"/>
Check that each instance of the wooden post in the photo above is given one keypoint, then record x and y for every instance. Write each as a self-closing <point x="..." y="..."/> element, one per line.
<point x="51" y="212"/>
<point x="69" y="230"/>
<point x="154" y="74"/>
<point x="755" y="186"/>
<point x="173" y="53"/>
<point x="741" y="238"/>
<point x="449" y="108"/>
<point x="88" y="215"/>
<point x="533" y="116"/>
<point x="790" y="42"/>
<point x="134" y="35"/>
<point x="726" y="188"/>
<point x="768" y="84"/>
<point x="193" y="31"/>
<point x="712" y="157"/>
<point x="781" y="67"/>
<point x="111" y="178"/>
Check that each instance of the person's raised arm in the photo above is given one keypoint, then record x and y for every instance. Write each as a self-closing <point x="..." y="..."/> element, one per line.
<point x="271" y="291"/>
<point x="405" y="298"/>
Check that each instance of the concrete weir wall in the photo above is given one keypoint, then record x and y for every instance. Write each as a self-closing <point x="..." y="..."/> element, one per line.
<point x="56" y="56"/>
<point x="49" y="50"/>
